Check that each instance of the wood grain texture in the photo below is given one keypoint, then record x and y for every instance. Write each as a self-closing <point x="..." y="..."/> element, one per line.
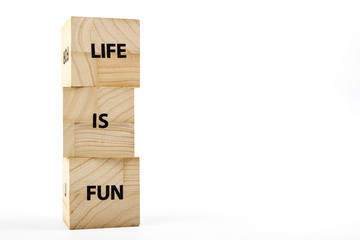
<point x="65" y="186"/>
<point x="66" y="45"/>
<point x="80" y="213"/>
<point x="84" y="71"/>
<point x="82" y="140"/>
<point x="79" y="104"/>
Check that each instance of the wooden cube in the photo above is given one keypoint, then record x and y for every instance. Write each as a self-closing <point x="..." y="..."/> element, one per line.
<point x="101" y="52"/>
<point x="84" y="131"/>
<point x="101" y="192"/>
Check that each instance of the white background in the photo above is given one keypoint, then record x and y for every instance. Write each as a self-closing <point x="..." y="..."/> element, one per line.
<point x="247" y="119"/>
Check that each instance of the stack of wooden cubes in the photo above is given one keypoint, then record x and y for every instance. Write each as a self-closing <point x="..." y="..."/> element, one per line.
<point x="100" y="69"/>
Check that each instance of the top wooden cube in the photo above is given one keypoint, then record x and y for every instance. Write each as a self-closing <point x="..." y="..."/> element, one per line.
<point x="100" y="52"/>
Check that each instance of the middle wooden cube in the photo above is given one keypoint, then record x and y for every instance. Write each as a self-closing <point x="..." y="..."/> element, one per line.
<point x="98" y="122"/>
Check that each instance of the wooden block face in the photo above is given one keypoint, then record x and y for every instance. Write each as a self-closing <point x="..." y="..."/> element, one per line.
<point x="101" y="192"/>
<point x="101" y="52"/>
<point x="86" y="137"/>
<point x="82" y="140"/>
<point x="79" y="104"/>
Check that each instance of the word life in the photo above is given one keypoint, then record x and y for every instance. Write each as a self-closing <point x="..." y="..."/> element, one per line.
<point x="107" y="49"/>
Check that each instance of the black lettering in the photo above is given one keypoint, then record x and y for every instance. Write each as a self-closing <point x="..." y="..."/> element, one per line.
<point x="89" y="192"/>
<point x="106" y="124"/>
<point x="106" y="194"/>
<point x="94" y="120"/>
<point x="66" y="55"/>
<point x="103" y="50"/>
<point x="119" y="193"/>
<point x="93" y="55"/>
<point x="109" y="49"/>
<point x="120" y="50"/>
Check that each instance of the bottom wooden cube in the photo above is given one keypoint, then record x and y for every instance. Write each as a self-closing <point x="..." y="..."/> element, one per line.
<point x="101" y="192"/>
